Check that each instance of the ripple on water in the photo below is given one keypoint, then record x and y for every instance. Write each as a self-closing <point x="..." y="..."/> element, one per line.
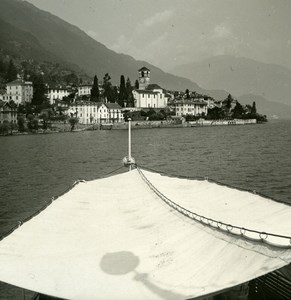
<point x="248" y="157"/>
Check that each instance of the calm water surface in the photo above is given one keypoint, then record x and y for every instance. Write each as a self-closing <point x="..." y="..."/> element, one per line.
<point x="36" y="167"/>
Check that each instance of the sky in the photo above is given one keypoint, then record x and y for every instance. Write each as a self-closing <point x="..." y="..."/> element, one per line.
<point x="168" y="33"/>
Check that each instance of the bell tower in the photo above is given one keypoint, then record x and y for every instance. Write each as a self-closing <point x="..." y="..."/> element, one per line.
<point x="143" y="78"/>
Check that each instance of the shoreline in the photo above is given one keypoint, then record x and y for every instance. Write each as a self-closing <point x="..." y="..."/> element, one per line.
<point x="141" y="125"/>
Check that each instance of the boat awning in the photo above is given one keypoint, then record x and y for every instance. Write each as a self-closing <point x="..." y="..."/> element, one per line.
<point x="128" y="237"/>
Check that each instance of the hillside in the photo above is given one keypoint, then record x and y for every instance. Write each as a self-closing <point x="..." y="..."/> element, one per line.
<point x="240" y="76"/>
<point x="33" y="33"/>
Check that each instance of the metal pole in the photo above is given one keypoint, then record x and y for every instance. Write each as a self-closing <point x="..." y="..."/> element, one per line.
<point x="23" y="294"/>
<point x="129" y="142"/>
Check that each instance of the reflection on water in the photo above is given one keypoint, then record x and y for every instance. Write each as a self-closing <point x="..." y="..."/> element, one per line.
<point x="34" y="168"/>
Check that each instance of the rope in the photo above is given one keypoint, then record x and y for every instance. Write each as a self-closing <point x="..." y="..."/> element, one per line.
<point x="215" y="181"/>
<point x="229" y="228"/>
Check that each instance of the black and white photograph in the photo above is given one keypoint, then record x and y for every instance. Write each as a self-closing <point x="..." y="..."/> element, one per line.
<point x="145" y="150"/>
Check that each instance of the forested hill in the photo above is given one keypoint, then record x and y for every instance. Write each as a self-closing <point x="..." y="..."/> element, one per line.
<point x="30" y="33"/>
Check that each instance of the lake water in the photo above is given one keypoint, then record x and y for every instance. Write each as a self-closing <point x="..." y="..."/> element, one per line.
<point x="34" y="168"/>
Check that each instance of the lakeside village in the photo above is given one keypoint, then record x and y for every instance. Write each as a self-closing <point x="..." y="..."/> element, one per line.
<point x="37" y="107"/>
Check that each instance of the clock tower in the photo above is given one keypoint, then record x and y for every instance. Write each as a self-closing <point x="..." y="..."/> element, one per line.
<point x="143" y="78"/>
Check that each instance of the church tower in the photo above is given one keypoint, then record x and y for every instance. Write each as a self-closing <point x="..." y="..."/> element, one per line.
<point x="143" y="78"/>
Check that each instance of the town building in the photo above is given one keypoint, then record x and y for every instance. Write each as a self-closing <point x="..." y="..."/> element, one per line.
<point x="57" y="93"/>
<point x="8" y="112"/>
<point x="115" y="112"/>
<point x="19" y="91"/>
<point x="96" y="112"/>
<point x="194" y="107"/>
<point x="84" y="89"/>
<point x="149" y="95"/>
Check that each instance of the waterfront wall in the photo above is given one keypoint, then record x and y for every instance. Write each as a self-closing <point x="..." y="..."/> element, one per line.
<point x="176" y="124"/>
<point x="220" y="122"/>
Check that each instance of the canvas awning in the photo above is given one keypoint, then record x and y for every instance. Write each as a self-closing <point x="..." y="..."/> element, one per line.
<point x="115" y="238"/>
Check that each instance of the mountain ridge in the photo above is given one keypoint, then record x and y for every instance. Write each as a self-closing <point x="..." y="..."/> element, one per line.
<point x="240" y="75"/>
<point x="66" y="43"/>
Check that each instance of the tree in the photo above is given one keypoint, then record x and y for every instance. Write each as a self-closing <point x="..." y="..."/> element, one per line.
<point x="3" y="68"/>
<point x="254" y="109"/>
<point x="114" y="94"/>
<point x="136" y="85"/>
<point x="6" y="127"/>
<point x="73" y="122"/>
<point x="95" y="90"/>
<point x="107" y="86"/>
<point x="39" y="91"/>
<point x="32" y="123"/>
<point x="238" y="111"/>
<point x="122" y="96"/>
<point x="11" y="73"/>
<point x="187" y="93"/>
<point x="72" y="78"/>
<point x="229" y="100"/>
<point x="45" y="116"/>
<point x="20" y="123"/>
<point x="130" y="100"/>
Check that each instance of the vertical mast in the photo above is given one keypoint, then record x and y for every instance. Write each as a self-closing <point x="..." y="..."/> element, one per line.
<point x="129" y="143"/>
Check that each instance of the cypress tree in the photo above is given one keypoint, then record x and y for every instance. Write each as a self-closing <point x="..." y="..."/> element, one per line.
<point x="39" y="91"/>
<point x="254" y="109"/>
<point x="129" y="93"/>
<point x="95" y="90"/>
<point x="136" y="85"/>
<point x="107" y="86"/>
<point x="122" y="92"/>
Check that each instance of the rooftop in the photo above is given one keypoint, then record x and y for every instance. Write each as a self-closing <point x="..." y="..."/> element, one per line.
<point x="153" y="86"/>
<point x="18" y="82"/>
<point x="198" y="102"/>
<point x="146" y="92"/>
<point x="113" y="105"/>
<point x="144" y="69"/>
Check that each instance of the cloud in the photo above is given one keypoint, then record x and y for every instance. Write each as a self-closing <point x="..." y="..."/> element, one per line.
<point x="149" y="51"/>
<point x="148" y="37"/>
<point x="159" y="17"/>
<point x="153" y="21"/>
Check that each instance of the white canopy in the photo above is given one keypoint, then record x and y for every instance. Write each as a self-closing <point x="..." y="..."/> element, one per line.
<point x="114" y="238"/>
